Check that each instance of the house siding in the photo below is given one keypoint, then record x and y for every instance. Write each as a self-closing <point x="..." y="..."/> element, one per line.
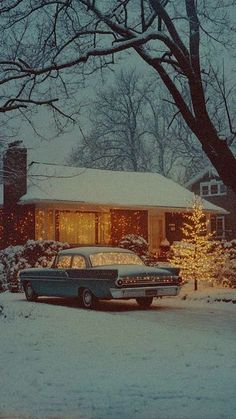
<point x="126" y="222"/>
<point x="19" y="225"/>
<point x="227" y="201"/>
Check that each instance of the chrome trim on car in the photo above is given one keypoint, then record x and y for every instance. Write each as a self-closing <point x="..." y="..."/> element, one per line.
<point x="149" y="279"/>
<point x="170" y="290"/>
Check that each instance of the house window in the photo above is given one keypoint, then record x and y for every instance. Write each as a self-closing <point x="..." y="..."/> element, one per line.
<point x="44" y="224"/>
<point x="218" y="226"/>
<point x="204" y="190"/>
<point x="223" y="189"/>
<point x="77" y="227"/>
<point x="212" y="188"/>
<point x="104" y="228"/>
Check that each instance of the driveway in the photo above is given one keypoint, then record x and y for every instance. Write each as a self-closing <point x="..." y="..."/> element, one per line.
<point x="174" y="361"/>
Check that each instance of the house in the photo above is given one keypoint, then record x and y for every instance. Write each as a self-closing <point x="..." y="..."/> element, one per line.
<point x="88" y="206"/>
<point x="209" y="186"/>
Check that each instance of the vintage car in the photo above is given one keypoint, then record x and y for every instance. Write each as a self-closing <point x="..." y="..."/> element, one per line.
<point x="94" y="273"/>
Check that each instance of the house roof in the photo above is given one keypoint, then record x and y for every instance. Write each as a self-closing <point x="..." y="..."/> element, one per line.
<point x="210" y="170"/>
<point x="53" y="183"/>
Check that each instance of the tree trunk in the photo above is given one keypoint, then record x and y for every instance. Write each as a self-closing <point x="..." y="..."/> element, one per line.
<point x="220" y="155"/>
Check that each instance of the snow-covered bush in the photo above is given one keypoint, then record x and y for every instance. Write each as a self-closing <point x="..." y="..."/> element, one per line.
<point x="2" y="278"/>
<point x="226" y="276"/>
<point x="135" y="243"/>
<point x="140" y="246"/>
<point x="35" y="253"/>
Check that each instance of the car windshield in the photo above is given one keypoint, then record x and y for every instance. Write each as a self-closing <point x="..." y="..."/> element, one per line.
<point x="115" y="258"/>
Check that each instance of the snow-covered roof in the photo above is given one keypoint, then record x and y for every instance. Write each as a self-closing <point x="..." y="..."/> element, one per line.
<point x="53" y="183"/>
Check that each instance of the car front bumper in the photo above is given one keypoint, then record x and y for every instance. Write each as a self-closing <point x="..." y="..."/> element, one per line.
<point x="159" y="291"/>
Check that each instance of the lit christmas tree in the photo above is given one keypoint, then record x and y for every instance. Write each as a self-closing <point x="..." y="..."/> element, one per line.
<point x="197" y="254"/>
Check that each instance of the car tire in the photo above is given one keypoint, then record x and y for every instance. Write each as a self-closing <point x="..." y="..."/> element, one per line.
<point x="29" y="292"/>
<point x="144" y="302"/>
<point x="88" y="299"/>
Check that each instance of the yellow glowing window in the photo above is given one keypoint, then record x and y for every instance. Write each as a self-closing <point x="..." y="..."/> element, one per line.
<point x="77" y="227"/>
<point x="104" y="228"/>
<point x="44" y="224"/>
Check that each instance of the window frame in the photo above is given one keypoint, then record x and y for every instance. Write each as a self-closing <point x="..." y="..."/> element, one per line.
<point x="209" y="184"/>
<point x="216" y="219"/>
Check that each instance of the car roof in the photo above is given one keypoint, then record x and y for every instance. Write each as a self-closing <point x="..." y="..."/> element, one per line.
<point x="88" y="250"/>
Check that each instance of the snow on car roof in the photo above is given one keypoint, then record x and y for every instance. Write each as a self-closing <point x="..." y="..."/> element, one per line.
<point x="88" y="250"/>
<point x="67" y="184"/>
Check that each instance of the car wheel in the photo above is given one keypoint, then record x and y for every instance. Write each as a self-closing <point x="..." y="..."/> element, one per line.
<point x="88" y="299"/>
<point x="144" y="302"/>
<point x="29" y="292"/>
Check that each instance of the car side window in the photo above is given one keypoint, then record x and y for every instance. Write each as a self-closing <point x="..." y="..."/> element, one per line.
<point x="78" y="262"/>
<point x="64" y="261"/>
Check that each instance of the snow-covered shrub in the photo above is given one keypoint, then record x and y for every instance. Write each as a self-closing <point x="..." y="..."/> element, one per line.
<point x="140" y="246"/>
<point x="135" y="243"/>
<point x="226" y="276"/>
<point x="35" y="253"/>
<point x="10" y="260"/>
<point x="2" y="278"/>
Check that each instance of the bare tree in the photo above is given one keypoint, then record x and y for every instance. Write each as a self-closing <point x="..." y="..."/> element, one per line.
<point x="118" y="137"/>
<point x="47" y="41"/>
<point x="133" y="128"/>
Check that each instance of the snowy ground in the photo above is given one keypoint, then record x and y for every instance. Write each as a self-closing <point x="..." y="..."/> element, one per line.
<point x="174" y="361"/>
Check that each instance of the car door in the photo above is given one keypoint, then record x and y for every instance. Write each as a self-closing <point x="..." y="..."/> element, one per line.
<point x="54" y="281"/>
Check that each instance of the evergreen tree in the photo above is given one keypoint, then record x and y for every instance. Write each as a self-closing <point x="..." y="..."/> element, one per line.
<point x="198" y="255"/>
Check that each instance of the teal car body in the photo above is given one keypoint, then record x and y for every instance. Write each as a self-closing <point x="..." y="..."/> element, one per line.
<point x="95" y="273"/>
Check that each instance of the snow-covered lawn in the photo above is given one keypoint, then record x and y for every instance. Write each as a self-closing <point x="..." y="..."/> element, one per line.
<point x="174" y="361"/>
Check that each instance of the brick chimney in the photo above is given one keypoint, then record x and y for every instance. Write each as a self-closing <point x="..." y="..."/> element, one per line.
<point x="14" y="186"/>
<point x="14" y="173"/>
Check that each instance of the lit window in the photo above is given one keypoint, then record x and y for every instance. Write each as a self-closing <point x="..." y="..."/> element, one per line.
<point x="44" y="224"/>
<point x="77" y="227"/>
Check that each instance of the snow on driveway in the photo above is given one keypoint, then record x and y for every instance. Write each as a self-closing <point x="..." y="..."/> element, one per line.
<point x="174" y="361"/>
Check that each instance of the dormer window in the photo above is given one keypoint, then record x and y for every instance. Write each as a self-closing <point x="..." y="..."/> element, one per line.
<point x="212" y="188"/>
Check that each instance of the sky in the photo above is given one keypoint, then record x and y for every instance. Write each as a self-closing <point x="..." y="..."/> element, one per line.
<point x="58" y="149"/>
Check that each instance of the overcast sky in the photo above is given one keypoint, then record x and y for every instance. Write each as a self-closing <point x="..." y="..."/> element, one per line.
<point x="58" y="149"/>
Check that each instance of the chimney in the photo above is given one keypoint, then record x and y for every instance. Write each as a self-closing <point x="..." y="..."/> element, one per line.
<point x="14" y="173"/>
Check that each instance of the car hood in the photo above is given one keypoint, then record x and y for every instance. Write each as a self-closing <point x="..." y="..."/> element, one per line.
<point x="143" y="270"/>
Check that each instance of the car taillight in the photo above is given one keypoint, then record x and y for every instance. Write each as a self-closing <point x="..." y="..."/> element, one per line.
<point x="119" y="282"/>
